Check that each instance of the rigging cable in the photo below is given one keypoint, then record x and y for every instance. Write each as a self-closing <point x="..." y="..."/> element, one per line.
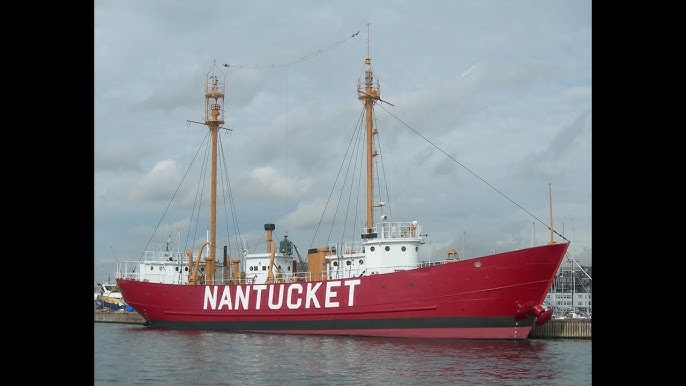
<point x="288" y="65"/>
<point x="234" y="219"/>
<point x="470" y="171"/>
<point x="333" y="187"/>
<point x="300" y="60"/>
<point x="178" y="188"/>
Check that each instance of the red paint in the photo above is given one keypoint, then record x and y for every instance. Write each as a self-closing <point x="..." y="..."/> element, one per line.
<point x="501" y="286"/>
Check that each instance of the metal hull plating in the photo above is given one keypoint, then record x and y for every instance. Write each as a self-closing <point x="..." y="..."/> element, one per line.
<point x="478" y="298"/>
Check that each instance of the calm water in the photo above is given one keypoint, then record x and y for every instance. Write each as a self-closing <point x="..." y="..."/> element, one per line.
<point x="126" y="354"/>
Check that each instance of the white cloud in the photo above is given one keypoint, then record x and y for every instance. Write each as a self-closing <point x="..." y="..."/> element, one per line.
<point x="159" y="183"/>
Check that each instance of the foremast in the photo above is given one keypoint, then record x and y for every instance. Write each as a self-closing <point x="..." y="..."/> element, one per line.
<point x="214" y="119"/>
<point x="369" y="93"/>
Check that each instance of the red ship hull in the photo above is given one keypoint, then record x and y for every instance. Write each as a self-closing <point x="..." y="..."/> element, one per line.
<point x="490" y="297"/>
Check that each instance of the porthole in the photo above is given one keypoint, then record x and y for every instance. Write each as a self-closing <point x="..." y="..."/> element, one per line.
<point x="251" y="267"/>
<point x="151" y="267"/>
<point x="335" y="264"/>
<point x="416" y="249"/>
<point x="372" y="249"/>
<point x="387" y="248"/>
<point x="185" y="269"/>
<point x="361" y="261"/>
<point x="403" y="248"/>
<point x="289" y="268"/>
<point x="202" y="269"/>
<point x="348" y="262"/>
<point x="176" y="269"/>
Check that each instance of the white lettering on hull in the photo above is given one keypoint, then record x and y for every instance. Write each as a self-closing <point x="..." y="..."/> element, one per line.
<point x="247" y="297"/>
<point x="289" y="301"/>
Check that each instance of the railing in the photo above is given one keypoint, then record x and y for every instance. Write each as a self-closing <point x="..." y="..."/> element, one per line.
<point x="165" y="255"/>
<point x="384" y="230"/>
<point x="397" y="229"/>
<point x="125" y="271"/>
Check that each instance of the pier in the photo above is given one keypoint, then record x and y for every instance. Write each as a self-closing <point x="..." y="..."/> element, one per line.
<point x="118" y="317"/>
<point x="573" y="328"/>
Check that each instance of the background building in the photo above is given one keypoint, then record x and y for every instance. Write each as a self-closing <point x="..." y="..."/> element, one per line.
<point x="570" y="294"/>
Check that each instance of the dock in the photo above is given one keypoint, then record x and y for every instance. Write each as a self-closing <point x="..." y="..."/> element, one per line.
<point x="570" y="328"/>
<point x="118" y="317"/>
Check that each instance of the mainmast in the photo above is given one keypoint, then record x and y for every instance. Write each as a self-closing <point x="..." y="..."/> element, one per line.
<point x="214" y="118"/>
<point x="369" y="95"/>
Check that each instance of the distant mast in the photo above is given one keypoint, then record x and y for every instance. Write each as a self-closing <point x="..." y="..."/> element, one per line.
<point x="369" y="95"/>
<point x="552" y="227"/>
<point x="214" y="118"/>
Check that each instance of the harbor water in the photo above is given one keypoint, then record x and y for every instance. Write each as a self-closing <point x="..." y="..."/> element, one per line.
<point x="130" y="354"/>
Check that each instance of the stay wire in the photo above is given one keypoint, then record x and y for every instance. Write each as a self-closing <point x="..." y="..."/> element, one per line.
<point x="470" y="171"/>
<point x="300" y="60"/>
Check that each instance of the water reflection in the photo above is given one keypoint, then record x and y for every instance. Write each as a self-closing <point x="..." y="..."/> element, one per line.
<point x="230" y="358"/>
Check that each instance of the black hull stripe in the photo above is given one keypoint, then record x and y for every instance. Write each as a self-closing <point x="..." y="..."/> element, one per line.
<point x="354" y="324"/>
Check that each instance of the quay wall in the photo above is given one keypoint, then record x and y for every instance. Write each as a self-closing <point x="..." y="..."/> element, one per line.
<point x="563" y="328"/>
<point x="118" y="317"/>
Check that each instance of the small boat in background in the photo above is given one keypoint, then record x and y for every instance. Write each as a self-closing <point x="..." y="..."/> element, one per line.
<point x="108" y="296"/>
<point x="97" y="290"/>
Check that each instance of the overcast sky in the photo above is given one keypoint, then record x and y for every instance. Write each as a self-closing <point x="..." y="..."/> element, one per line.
<point x="502" y="87"/>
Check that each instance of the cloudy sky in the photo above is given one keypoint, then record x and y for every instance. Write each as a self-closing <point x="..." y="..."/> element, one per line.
<point x="489" y="105"/>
